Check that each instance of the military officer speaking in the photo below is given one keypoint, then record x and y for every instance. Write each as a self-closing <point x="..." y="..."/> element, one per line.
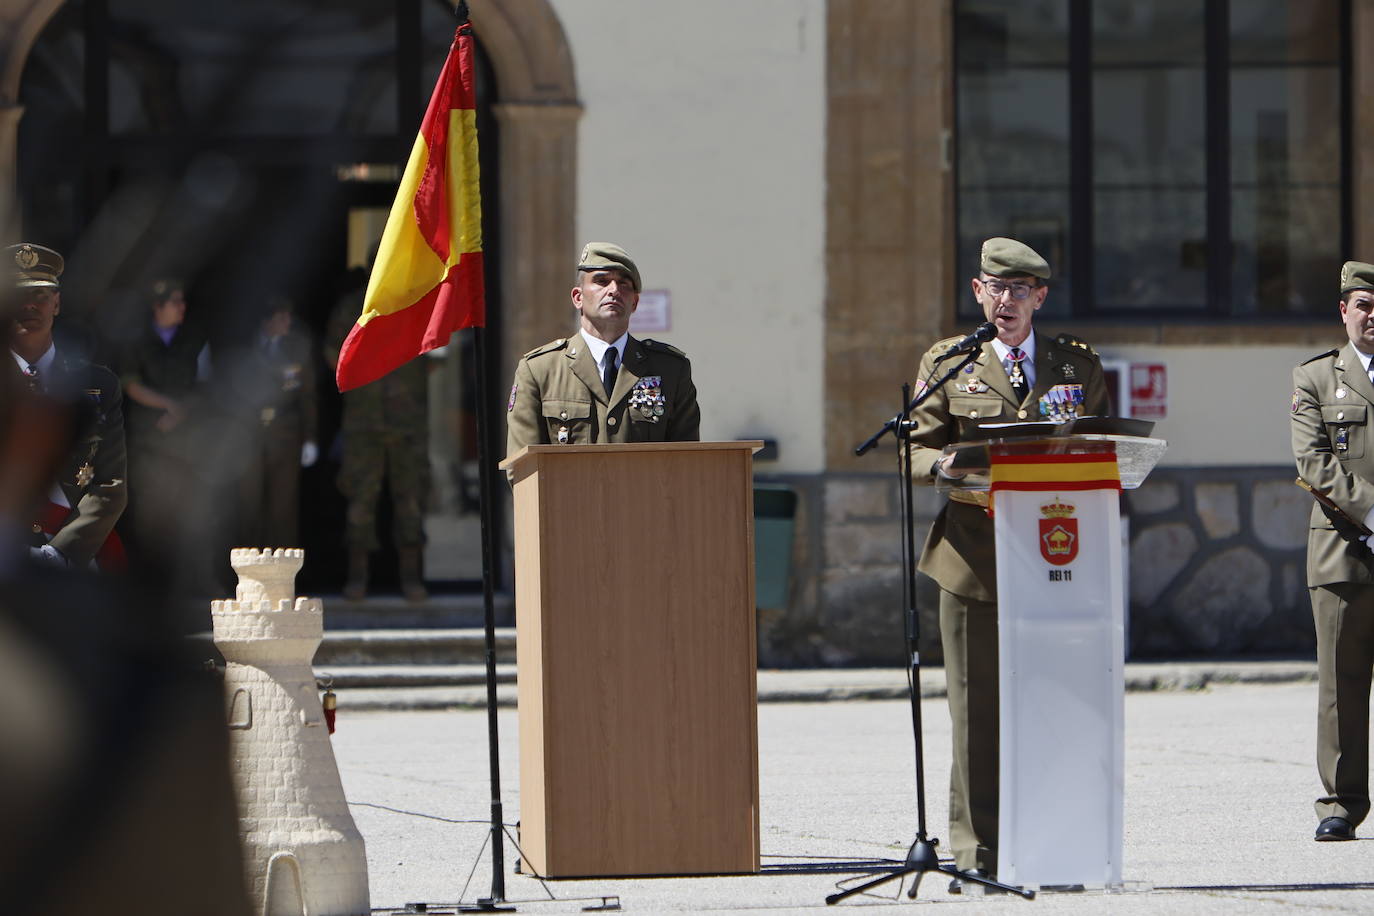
<point x="602" y="385"/>
<point x="1020" y="375"/>
<point x="1333" y="445"/>
<point x="90" y="492"/>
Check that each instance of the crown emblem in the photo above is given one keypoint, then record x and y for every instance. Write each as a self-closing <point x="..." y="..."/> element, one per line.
<point x="26" y="257"/>
<point x="1057" y="509"/>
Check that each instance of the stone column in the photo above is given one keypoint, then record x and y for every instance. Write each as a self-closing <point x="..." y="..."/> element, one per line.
<point x="302" y="852"/>
<point x="538" y="245"/>
<point x="9" y="169"/>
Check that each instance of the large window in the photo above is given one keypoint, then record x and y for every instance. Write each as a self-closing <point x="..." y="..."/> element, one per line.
<point x="1170" y="157"/>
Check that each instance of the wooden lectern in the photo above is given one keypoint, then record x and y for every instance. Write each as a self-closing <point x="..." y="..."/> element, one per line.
<point x="634" y="589"/>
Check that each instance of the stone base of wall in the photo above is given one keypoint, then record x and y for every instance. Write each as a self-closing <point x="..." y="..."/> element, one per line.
<point x="1216" y="567"/>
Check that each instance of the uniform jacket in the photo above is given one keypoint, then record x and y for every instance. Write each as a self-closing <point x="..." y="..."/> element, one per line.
<point x="282" y="389"/>
<point x="1333" y="445"/>
<point x="959" y="552"/>
<point x="558" y="397"/>
<point x="395" y="405"/>
<point x="93" y="476"/>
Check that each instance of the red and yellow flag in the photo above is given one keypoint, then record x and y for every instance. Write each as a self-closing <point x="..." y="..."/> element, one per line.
<point x="427" y="280"/>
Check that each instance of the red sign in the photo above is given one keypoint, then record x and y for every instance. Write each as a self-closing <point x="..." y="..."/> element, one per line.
<point x="1059" y="540"/>
<point x="1149" y="391"/>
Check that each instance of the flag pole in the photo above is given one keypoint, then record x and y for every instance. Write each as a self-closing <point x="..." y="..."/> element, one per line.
<point x="486" y="462"/>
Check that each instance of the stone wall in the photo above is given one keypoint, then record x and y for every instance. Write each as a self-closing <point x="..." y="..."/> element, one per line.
<point x="1216" y="568"/>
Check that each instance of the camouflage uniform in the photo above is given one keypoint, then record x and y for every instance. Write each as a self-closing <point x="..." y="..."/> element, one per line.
<point x="385" y="433"/>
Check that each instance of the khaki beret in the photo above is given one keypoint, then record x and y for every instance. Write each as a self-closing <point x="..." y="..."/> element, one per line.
<point x="603" y="255"/>
<point x="1008" y="257"/>
<point x="33" y="265"/>
<point x="1356" y="275"/>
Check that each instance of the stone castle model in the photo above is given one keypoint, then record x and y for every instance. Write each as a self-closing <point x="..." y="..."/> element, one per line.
<point x="302" y="852"/>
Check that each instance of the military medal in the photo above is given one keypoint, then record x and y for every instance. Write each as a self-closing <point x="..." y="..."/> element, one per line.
<point x="85" y="474"/>
<point x="1343" y="439"/>
<point x="646" y="398"/>
<point x="562" y="435"/>
<point x="1068" y="371"/>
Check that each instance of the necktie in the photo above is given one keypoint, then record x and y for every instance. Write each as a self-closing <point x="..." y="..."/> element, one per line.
<point x="608" y="377"/>
<point x="1018" y="378"/>
<point x="31" y="374"/>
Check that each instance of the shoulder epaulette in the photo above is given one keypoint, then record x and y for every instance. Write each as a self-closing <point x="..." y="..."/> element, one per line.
<point x="1313" y="359"/>
<point x="1071" y="340"/>
<point x="661" y="347"/>
<point x="549" y="347"/>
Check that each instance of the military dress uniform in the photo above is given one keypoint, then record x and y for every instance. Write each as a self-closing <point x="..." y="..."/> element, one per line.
<point x="1333" y="445"/>
<point x="558" y="397"/>
<point x="93" y="476"/>
<point x="960" y="555"/>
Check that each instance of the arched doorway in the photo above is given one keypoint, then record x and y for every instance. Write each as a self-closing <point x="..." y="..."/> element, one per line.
<point x="256" y="154"/>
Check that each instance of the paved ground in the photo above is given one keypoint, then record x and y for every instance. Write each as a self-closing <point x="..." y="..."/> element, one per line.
<point x="1219" y="783"/>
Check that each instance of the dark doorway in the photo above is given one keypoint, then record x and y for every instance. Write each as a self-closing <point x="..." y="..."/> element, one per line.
<point x="247" y="149"/>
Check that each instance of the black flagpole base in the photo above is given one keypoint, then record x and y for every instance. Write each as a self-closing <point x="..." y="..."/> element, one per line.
<point x="921" y="859"/>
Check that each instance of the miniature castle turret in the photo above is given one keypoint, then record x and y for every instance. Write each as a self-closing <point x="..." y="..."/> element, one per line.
<point x="302" y="852"/>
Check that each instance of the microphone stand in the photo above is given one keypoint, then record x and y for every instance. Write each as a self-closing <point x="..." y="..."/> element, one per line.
<point x="921" y="857"/>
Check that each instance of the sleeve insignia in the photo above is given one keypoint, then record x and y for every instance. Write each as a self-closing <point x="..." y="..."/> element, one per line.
<point x="510" y="405"/>
<point x="1297" y="400"/>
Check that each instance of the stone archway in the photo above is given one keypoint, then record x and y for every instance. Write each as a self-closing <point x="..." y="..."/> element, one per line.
<point x="21" y="21"/>
<point x="537" y="110"/>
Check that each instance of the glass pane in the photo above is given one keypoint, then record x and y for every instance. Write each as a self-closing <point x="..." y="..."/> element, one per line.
<point x="1287" y="250"/>
<point x="1002" y="34"/>
<point x="1038" y="218"/>
<point x="1147" y="32"/>
<point x="1149" y="127"/>
<point x="1013" y="129"/>
<point x="1151" y="249"/>
<point x="1285" y="31"/>
<point x="253" y="67"/>
<point x="1285" y="125"/>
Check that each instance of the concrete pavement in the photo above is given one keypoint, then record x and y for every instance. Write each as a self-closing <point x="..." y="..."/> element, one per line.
<point x="1219" y="788"/>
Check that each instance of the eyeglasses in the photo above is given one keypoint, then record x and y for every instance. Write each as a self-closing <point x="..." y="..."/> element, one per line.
<point x="997" y="287"/>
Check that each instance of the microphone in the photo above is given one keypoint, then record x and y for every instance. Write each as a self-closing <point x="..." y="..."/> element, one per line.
<point x="981" y="334"/>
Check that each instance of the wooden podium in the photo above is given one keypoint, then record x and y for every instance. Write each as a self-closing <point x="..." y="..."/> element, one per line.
<point x="634" y="588"/>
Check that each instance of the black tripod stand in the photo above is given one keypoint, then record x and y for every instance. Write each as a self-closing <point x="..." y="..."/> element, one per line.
<point x="921" y="857"/>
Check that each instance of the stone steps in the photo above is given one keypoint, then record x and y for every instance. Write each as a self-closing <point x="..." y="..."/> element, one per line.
<point x="343" y="677"/>
<point x="413" y="647"/>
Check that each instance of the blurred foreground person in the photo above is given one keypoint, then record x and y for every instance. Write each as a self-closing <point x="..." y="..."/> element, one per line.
<point x="114" y="769"/>
<point x="75" y="523"/>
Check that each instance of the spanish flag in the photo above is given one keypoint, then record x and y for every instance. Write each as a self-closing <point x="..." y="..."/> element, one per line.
<point x="427" y="279"/>
<point x="1013" y="468"/>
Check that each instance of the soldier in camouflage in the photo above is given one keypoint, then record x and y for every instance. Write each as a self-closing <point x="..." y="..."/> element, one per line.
<point x="385" y="435"/>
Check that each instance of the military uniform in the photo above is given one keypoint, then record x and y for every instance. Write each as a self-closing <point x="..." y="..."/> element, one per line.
<point x="93" y="476"/>
<point x="558" y="397"/>
<point x="386" y="434"/>
<point x="960" y="553"/>
<point x="1333" y="445"/>
<point x="281" y="374"/>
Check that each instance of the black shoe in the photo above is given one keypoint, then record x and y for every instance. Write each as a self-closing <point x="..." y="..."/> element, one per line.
<point x="1334" y="828"/>
<point x="956" y="885"/>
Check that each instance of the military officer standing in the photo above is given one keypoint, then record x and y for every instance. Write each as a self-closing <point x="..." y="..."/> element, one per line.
<point x="90" y="492"/>
<point x="1019" y="375"/>
<point x="601" y="384"/>
<point x="1333" y="445"/>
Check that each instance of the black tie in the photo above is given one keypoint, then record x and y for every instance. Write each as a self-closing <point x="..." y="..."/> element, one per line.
<point x="608" y="377"/>
<point x="31" y="373"/>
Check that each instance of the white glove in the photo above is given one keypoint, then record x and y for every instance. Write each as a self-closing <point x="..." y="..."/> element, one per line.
<point x="48" y="554"/>
<point x="310" y="453"/>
